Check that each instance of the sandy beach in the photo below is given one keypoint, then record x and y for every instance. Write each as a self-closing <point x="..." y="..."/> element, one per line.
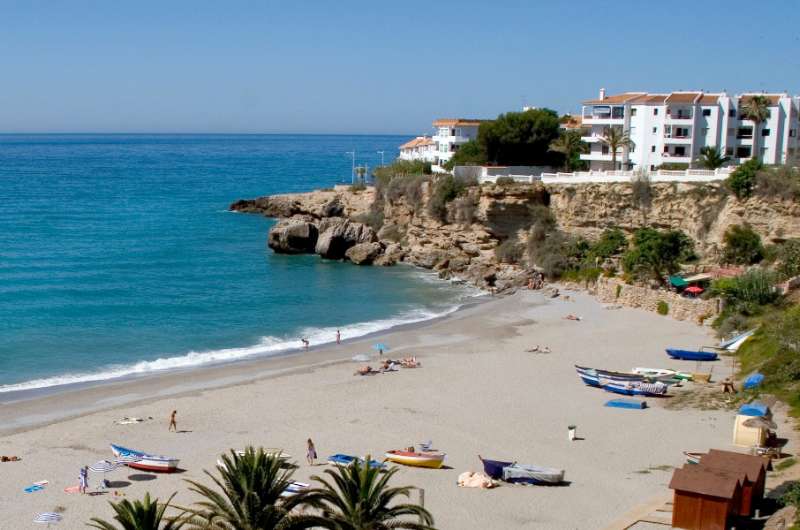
<point x="478" y="392"/>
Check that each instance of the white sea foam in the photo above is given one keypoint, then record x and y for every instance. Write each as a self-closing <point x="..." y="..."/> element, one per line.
<point x="267" y="346"/>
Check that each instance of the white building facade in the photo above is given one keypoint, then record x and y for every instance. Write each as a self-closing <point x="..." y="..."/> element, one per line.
<point x="421" y="148"/>
<point x="673" y="128"/>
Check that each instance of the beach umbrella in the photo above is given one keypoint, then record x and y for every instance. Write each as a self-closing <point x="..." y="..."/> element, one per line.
<point x="47" y="518"/>
<point x="694" y="289"/>
<point x="760" y="423"/>
<point x="103" y="466"/>
<point x="381" y="347"/>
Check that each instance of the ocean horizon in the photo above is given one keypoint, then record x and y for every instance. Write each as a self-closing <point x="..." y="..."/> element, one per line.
<point x="118" y="256"/>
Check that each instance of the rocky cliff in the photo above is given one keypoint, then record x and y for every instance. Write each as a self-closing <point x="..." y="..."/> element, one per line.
<point x="345" y="224"/>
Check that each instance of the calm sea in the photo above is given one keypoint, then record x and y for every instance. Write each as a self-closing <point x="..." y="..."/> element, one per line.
<point x="118" y="257"/>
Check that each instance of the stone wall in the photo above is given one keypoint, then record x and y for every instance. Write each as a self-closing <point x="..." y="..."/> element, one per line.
<point x="614" y="291"/>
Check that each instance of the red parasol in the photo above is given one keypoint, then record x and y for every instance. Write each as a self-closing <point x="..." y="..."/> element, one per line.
<point x="694" y="289"/>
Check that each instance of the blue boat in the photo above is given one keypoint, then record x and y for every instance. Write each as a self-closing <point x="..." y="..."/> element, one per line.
<point x="494" y="468"/>
<point x="624" y="403"/>
<point x="635" y="388"/>
<point x="689" y="355"/>
<point x="346" y="460"/>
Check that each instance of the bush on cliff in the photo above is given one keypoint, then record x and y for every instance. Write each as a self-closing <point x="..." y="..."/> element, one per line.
<point x="612" y="242"/>
<point x="445" y="189"/>
<point x="509" y="251"/>
<point x="742" y="180"/>
<point x="521" y="138"/>
<point x="742" y="245"/>
<point x="656" y="254"/>
<point x="747" y="293"/>
<point x="778" y="182"/>
<point x="788" y="258"/>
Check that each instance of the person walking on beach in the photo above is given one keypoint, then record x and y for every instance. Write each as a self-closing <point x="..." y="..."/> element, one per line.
<point x="338" y="337"/>
<point x="173" y="423"/>
<point x="311" y="453"/>
<point x="305" y="343"/>
<point x="83" y="479"/>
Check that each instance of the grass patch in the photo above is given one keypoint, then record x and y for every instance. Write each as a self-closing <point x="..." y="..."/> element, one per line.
<point x="783" y="465"/>
<point x="650" y="469"/>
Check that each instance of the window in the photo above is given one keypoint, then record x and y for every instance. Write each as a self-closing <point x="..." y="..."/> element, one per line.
<point x="764" y="132"/>
<point x="633" y="112"/>
<point x="743" y="151"/>
<point x="652" y="167"/>
<point x="655" y="130"/>
<point x="732" y="113"/>
<point x="729" y="151"/>
<point x="706" y="112"/>
<point x="652" y="149"/>
<point x="605" y="149"/>
<point x="666" y="149"/>
<point x="680" y="150"/>
<point x="632" y="149"/>
<point x="655" y="112"/>
<point x="792" y="133"/>
<point x="744" y="132"/>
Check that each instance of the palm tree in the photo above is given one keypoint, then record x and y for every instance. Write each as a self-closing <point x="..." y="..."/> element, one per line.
<point x="250" y="498"/>
<point x="569" y="144"/>
<point x="615" y="138"/>
<point x="756" y="109"/>
<point x="711" y="158"/>
<point x="358" y="498"/>
<point x="138" y="515"/>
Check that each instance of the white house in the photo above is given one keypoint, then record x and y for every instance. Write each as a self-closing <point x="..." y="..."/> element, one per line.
<point x="449" y="136"/>
<point x="420" y="148"/>
<point x="672" y="128"/>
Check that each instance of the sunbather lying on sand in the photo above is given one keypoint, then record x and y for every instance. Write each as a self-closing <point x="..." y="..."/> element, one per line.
<point x="410" y="362"/>
<point x="366" y="370"/>
<point x="572" y="317"/>
<point x="538" y="349"/>
<point x="389" y="366"/>
<point x="10" y="459"/>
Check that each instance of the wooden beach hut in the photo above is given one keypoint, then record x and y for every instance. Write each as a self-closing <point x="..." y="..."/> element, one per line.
<point x="754" y="469"/>
<point x="705" y="498"/>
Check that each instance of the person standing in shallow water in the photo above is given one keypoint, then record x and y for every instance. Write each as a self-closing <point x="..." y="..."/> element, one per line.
<point x="311" y="453"/>
<point x="338" y="337"/>
<point x="173" y="422"/>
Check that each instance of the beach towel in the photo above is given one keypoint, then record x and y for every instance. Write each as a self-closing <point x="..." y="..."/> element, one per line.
<point x="72" y="489"/>
<point x="471" y="479"/>
<point x="36" y="486"/>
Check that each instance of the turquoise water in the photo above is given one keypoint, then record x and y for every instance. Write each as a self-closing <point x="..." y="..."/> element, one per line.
<point x="118" y="257"/>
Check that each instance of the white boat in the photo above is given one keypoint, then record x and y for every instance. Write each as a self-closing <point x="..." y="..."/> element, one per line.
<point x="146" y="461"/>
<point x="527" y="474"/>
<point x="662" y="373"/>
<point x="294" y="488"/>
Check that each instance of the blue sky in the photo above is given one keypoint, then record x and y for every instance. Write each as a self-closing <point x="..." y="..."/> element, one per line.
<point x="367" y="67"/>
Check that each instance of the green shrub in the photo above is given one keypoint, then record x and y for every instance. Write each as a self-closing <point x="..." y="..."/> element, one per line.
<point x="791" y="495"/>
<point x="742" y="245"/>
<point x="662" y="308"/>
<point x="542" y="222"/>
<point x="655" y="254"/>
<point x="469" y="154"/>
<point x="505" y="181"/>
<point x="611" y="243"/>
<point x="788" y="258"/>
<point x="742" y="180"/>
<point x="445" y="189"/>
<point x="509" y="251"/>
<point x="618" y="292"/>
<point x="779" y="182"/>
<point x="747" y="292"/>
<point x="358" y="186"/>
<point x="642" y="191"/>
<point x="373" y="219"/>
<point x="674" y="166"/>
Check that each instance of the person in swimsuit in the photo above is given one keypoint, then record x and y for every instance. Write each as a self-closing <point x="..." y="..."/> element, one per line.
<point x="83" y="479"/>
<point x="311" y="453"/>
<point x="338" y="337"/>
<point x="173" y="423"/>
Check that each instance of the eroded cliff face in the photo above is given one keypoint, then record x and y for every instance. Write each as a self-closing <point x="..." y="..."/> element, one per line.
<point x="333" y="223"/>
<point x="703" y="211"/>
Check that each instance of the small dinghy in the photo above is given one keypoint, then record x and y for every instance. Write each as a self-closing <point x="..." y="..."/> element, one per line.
<point x="635" y="388"/>
<point x="521" y="473"/>
<point x="527" y="474"/>
<point x="693" y="458"/>
<point x="689" y="355"/>
<point x="146" y="461"/>
<point x="608" y="374"/>
<point x="431" y="459"/>
<point x="662" y="373"/>
<point x="340" y="459"/>
<point x="294" y="488"/>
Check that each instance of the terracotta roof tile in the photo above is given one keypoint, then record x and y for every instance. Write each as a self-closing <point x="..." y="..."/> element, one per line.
<point x="457" y="122"/>
<point x="709" y="99"/>
<point x="683" y="97"/>
<point x="419" y="141"/>
<point x="706" y="481"/>
<point x="617" y="98"/>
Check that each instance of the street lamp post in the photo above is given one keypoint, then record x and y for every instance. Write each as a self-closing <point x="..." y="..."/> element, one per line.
<point x="353" y="169"/>
<point x="381" y="153"/>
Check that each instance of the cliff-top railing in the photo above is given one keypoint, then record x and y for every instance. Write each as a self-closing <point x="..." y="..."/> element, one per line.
<point x="585" y="177"/>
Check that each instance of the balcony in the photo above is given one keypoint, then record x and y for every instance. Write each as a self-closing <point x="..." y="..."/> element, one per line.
<point x="604" y="114"/>
<point x="679" y="115"/>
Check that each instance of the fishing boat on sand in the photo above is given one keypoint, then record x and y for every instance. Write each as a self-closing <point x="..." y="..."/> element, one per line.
<point x="636" y="388"/>
<point x="146" y="461"/>
<point x="521" y="473"/>
<point x="294" y="488"/>
<point x="596" y="377"/>
<point x="693" y="458"/>
<point x="430" y="459"/>
<point x="340" y="459"/>
<point x="662" y="373"/>
<point x="691" y="355"/>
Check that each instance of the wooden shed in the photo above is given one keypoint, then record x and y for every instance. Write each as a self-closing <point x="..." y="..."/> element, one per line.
<point x="754" y="469"/>
<point x="705" y="498"/>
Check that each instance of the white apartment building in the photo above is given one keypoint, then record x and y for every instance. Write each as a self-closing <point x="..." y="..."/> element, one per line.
<point x="672" y="128"/>
<point x="449" y="135"/>
<point x="420" y="148"/>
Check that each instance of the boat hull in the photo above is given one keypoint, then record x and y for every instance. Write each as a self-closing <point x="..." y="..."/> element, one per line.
<point x="646" y="389"/>
<point x="347" y="460"/>
<point x="429" y="460"/>
<point x="688" y="355"/>
<point x="147" y="462"/>
<point x="527" y="474"/>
